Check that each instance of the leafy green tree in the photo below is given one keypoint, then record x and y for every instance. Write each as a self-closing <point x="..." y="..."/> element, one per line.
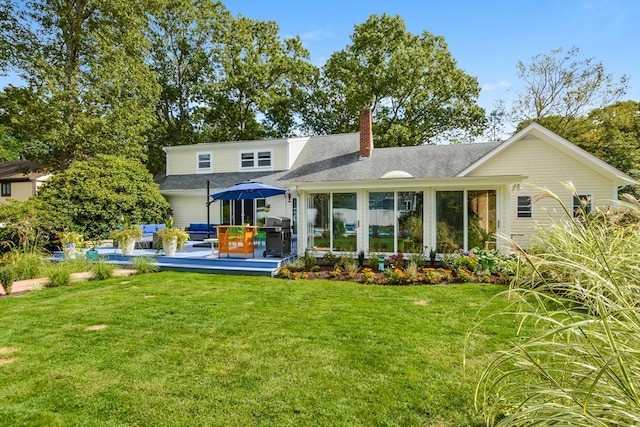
<point x="9" y="146"/>
<point x="564" y="85"/>
<point x="411" y="83"/>
<point x="222" y="78"/>
<point x="185" y="39"/>
<point x="93" y="196"/>
<point x="262" y="84"/>
<point x="20" y="112"/>
<point x="613" y="135"/>
<point x="83" y="64"/>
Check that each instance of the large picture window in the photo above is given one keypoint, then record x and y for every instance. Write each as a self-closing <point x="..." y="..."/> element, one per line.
<point x="465" y="220"/>
<point x="449" y="221"/>
<point x="332" y="221"/>
<point x="396" y="222"/>
<point x="481" y="219"/>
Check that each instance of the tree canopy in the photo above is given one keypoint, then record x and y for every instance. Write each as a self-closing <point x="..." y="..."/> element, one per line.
<point x="564" y="85"/>
<point x="411" y="83"/>
<point x="93" y="195"/>
<point x="88" y="88"/>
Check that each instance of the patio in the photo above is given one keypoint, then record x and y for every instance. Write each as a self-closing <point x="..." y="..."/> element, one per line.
<point x="197" y="256"/>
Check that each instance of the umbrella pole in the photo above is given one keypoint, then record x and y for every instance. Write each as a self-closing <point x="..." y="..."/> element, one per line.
<point x="208" y="212"/>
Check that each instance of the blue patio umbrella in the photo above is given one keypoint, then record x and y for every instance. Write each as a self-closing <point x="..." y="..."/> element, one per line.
<point x="248" y="190"/>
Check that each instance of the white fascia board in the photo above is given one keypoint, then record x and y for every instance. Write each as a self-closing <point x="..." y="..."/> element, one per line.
<point x="408" y="184"/>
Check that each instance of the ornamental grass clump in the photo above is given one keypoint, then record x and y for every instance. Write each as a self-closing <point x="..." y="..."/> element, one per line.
<point x="102" y="270"/>
<point x="582" y="294"/>
<point x="25" y="265"/>
<point x="145" y="264"/>
<point x="7" y="277"/>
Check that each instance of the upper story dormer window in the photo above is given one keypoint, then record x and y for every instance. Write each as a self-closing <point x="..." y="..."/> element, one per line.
<point x="259" y="159"/>
<point x="205" y="162"/>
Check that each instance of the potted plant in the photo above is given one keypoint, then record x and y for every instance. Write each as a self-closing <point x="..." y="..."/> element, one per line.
<point x="125" y="238"/>
<point x="267" y="207"/>
<point x="171" y="239"/>
<point x="71" y="241"/>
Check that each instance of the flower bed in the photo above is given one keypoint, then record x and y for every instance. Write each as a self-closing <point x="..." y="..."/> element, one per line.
<point x="462" y="267"/>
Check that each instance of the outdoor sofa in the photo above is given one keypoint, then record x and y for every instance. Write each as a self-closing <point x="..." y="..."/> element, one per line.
<point x="199" y="231"/>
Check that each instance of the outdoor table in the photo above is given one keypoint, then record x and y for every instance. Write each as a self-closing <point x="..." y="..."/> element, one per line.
<point x="214" y="244"/>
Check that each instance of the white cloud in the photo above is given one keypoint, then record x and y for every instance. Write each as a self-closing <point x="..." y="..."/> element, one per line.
<point x="316" y="35"/>
<point x="502" y="84"/>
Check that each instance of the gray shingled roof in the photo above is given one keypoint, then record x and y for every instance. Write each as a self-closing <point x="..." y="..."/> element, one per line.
<point x="333" y="158"/>
<point x="336" y="158"/>
<point x="218" y="180"/>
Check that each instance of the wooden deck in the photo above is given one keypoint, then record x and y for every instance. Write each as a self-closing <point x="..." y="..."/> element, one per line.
<point x="198" y="257"/>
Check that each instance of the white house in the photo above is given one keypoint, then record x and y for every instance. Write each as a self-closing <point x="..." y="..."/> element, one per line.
<point x="346" y="195"/>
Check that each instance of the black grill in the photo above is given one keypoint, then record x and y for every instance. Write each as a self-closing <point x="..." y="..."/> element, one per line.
<point x="277" y="236"/>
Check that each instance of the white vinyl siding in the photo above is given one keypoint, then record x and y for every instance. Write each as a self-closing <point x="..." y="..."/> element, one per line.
<point x="191" y="209"/>
<point x="226" y="157"/>
<point x="544" y="166"/>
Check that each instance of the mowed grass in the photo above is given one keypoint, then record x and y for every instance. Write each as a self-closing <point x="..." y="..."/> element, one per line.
<point x="171" y="349"/>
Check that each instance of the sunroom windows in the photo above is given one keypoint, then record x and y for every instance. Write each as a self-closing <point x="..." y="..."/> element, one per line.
<point x="465" y="216"/>
<point x="332" y="222"/>
<point x="384" y="222"/>
<point x="396" y="222"/>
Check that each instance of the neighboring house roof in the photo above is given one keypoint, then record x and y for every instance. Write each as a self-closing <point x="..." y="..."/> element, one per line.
<point x="21" y="170"/>
<point x="337" y="158"/>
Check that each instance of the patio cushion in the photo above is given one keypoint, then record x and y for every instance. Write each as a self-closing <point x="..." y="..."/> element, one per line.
<point x="199" y="231"/>
<point x="197" y="227"/>
<point x="149" y="229"/>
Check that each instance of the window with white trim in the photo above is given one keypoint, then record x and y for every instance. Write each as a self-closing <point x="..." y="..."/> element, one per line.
<point x="259" y="159"/>
<point x="524" y="207"/>
<point x="581" y="204"/>
<point x="205" y="164"/>
<point x="6" y="189"/>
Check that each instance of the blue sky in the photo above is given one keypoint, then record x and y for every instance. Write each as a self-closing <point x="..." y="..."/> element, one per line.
<point x="485" y="37"/>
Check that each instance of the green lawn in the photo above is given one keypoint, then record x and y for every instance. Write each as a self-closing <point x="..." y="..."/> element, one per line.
<point x="171" y="349"/>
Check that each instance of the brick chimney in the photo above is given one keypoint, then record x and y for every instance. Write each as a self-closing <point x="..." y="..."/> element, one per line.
<point x="366" y="134"/>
